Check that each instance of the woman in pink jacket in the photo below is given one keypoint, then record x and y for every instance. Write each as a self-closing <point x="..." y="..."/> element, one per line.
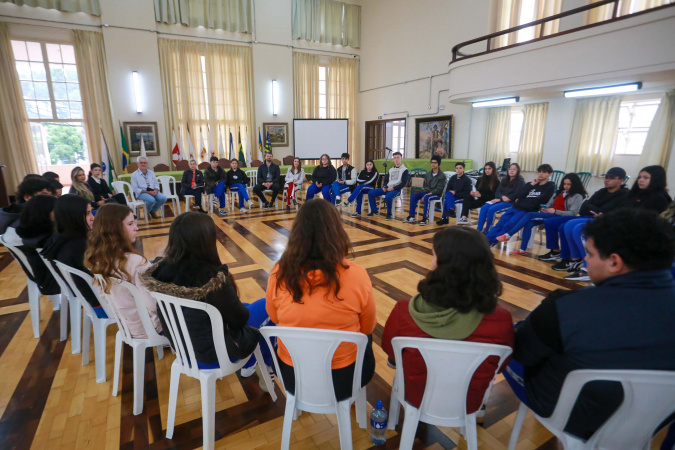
<point x="111" y="255"/>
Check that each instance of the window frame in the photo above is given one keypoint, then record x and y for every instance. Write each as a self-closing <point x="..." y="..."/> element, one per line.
<point x="626" y="132"/>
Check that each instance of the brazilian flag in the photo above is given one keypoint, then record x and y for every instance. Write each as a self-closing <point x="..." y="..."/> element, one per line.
<point x="125" y="152"/>
<point x="242" y="158"/>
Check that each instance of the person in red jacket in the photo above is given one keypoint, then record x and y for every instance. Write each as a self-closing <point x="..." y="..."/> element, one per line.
<point x="458" y="301"/>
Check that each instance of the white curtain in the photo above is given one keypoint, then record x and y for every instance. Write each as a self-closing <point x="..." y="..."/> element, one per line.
<point x="342" y="84"/>
<point x="85" y="6"/>
<point x="305" y="85"/>
<point x="225" y="103"/>
<point x="602" y="13"/>
<point x="661" y="133"/>
<point x="95" y="89"/>
<point x="16" y="147"/>
<point x="228" y="15"/>
<point x="596" y="122"/>
<point x="497" y="134"/>
<point x="531" y="145"/>
<point x="327" y="21"/>
<point x="506" y="14"/>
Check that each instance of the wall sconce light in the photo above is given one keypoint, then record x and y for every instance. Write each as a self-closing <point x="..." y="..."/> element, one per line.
<point x="275" y="97"/>
<point x="137" y="92"/>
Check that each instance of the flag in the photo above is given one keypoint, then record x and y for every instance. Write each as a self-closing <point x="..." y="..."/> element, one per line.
<point x="259" y="143"/>
<point x="105" y="161"/>
<point x="268" y="144"/>
<point x="175" y="149"/>
<point x="125" y="152"/>
<point x="248" y="153"/>
<point x="201" y="145"/>
<point x="242" y="159"/>
<point x="191" y="149"/>
<point x="231" y="148"/>
<point x="143" y="154"/>
<point x="221" y="146"/>
<point x="212" y="148"/>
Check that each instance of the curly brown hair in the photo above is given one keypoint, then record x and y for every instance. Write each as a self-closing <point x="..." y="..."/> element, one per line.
<point x="318" y="241"/>
<point x="465" y="277"/>
<point x="108" y="244"/>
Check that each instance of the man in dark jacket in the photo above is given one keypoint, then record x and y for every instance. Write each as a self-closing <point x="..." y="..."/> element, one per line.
<point x="215" y="183"/>
<point x="192" y="183"/>
<point x="623" y="322"/>
<point x="458" y="186"/>
<point x="434" y="183"/>
<point x="31" y="186"/>
<point x="268" y="179"/>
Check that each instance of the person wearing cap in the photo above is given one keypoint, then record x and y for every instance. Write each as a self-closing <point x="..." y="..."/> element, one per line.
<point x="101" y="189"/>
<point x="345" y="181"/>
<point x="434" y="183"/>
<point x="567" y="229"/>
<point x="215" y="182"/>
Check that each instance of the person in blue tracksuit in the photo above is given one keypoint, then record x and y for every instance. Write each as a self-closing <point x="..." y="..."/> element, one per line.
<point x="394" y="181"/>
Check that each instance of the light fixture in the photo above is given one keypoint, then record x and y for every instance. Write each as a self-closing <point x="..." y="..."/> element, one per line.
<point x="275" y="97"/>
<point x="137" y="92"/>
<point x="496" y="102"/>
<point x="604" y="90"/>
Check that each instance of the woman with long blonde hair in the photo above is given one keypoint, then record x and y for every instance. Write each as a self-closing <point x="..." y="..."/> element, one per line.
<point x="111" y="255"/>
<point x="81" y="188"/>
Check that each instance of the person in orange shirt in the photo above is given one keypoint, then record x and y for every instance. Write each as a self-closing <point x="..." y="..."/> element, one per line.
<point x="315" y="286"/>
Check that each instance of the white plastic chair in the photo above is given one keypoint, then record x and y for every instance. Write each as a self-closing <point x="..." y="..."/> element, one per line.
<point x="364" y="198"/>
<point x="121" y="187"/>
<point x="649" y="397"/>
<point x="67" y="298"/>
<point x="450" y="367"/>
<point x="138" y="345"/>
<point x="298" y="191"/>
<point x="186" y="362"/>
<point x="312" y="350"/>
<point x="90" y="319"/>
<point x="33" y="290"/>
<point x="440" y="201"/>
<point x="393" y="203"/>
<point x="165" y="183"/>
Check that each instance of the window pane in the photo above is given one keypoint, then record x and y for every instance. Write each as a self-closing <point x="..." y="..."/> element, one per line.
<point x="54" y="53"/>
<point x="38" y="71"/>
<point x="66" y="143"/>
<point x="56" y="71"/>
<point x="45" y="110"/>
<point x="643" y="115"/>
<point x="322" y="88"/>
<point x="34" y="51"/>
<point x="62" y="110"/>
<point x="68" y="54"/>
<point x="636" y="142"/>
<point x="41" y="90"/>
<point x="514" y="130"/>
<point x="624" y="117"/>
<point x="394" y="132"/>
<point x="60" y="91"/>
<point x="20" y="52"/>
<point x="322" y="73"/>
<point x="31" y="110"/>
<point x="28" y="90"/>
<point x="23" y="69"/>
<point x="322" y="101"/>
<point x="620" y="144"/>
<point x="322" y="113"/>
<point x="70" y="72"/>
<point x="74" y="92"/>
<point x="76" y="110"/>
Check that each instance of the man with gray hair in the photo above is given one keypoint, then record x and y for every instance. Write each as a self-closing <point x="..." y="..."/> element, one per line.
<point x="146" y="188"/>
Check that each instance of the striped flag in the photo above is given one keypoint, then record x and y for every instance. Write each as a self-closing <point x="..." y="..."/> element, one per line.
<point x="191" y="149"/>
<point x="105" y="161"/>
<point x="268" y="144"/>
<point x="212" y="147"/>
<point x="176" y="155"/>
<point x="125" y="152"/>
<point x="201" y="145"/>
<point x="221" y="146"/>
<point x="242" y="159"/>
<point x="260" y="143"/>
<point x="231" y="147"/>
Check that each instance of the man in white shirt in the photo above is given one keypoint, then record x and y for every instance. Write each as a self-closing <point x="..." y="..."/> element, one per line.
<point x="146" y="188"/>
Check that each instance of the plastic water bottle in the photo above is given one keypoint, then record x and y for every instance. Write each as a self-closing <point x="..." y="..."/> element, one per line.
<point x="378" y="424"/>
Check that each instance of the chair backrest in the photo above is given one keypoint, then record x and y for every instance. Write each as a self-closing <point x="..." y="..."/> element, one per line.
<point x="165" y="183"/>
<point x="204" y="165"/>
<point x="585" y="178"/>
<point x="450" y="366"/>
<point x="171" y="309"/>
<point x="505" y="165"/>
<point x="556" y="177"/>
<point x="224" y="163"/>
<point x="123" y="187"/>
<point x="625" y="183"/>
<point x="65" y="289"/>
<point x="288" y="160"/>
<point x="276" y="161"/>
<point x="143" y="313"/>
<point x="161" y="168"/>
<point x="20" y="257"/>
<point x="256" y="163"/>
<point x="649" y="398"/>
<point x="252" y="177"/>
<point x="183" y="164"/>
<point x="68" y="274"/>
<point x="311" y="351"/>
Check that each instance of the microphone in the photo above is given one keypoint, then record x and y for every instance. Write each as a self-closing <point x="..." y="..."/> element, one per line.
<point x="387" y="148"/>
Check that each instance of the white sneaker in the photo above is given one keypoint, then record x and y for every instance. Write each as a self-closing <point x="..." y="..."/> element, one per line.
<point x="242" y="210"/>
<point x="261" y="380"/>
<point x="462" y="220"/>
<point x="248" y="371"/>
<point x="250" y="203"/>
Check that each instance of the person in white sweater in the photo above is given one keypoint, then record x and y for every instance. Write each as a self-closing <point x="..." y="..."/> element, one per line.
<point x="111" y="256"/>
<point x="294" y="179"/>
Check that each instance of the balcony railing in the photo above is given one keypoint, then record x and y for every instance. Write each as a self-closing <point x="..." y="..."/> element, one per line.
<point x="458" y="55"/>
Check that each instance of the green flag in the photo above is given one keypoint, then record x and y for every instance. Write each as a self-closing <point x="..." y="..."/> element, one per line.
<point x="242" y="159"/>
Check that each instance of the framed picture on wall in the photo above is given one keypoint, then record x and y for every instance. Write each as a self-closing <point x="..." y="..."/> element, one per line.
<point x="133" y="132"/>
<point x="278" y="133"/>
<point x="434" y="135"/>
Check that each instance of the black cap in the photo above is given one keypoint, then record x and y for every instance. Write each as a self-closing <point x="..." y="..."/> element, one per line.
<point x="214" y="158"/>
<point x="94" y="165"/>
<point x="615" y="172"/>
<point x="437" y="159"/>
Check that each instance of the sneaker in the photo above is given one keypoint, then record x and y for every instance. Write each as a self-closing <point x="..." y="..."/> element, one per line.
<point x="574" y="266"/>
<point x="442" y="222"/>
<point x="222" y="213"/>
<point x="562" y="265"/>
<point x="242" y="210"/>
<point x="579" y="275"/>
<point x="371" y="214"/>
<point x="409" y="220"/>
<point x="503" y="238"/>
<point x="266" y="205"/>
<point x="450" y="213"/>
<point x="550" y="256"/>
<point x="345" y="203"/>
<point x="480" y="415"/>
<point x="295" y="202"/>
<point x="462" y="221"/>
<point x="288" y="208"/>
<point x="261" y="380"/>
<point x="518" y="252"/>
<point x="389" y="217"/>
<point x="250" y="203"/>
<point x="424" y="222"/>
<point x="201" y="211"/>
<point x="248" y="371"/>
<point x="338" y="203"/>
<point x="356" y="215"/>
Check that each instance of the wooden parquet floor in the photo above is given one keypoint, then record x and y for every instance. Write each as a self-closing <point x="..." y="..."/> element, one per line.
<point x="48" y="400"/>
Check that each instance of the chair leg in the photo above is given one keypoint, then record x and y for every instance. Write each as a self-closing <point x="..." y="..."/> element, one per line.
<point x="266" y="376"/>
<point x="75" y="327"/>
<point x="160" y="351"/>
<point x="361" y="409"/>
<point x="34" y="305"/>
<point x="56" y="302"/>
<point x="394" y="408"/>
<point x="64" y="317"/>
<point x="412" y="418"/>
<point x="118" y="362"/>
<point x="517" y="425"/>
<point x="173" y="398"/>
<point x="99" y="349"/>
<point x="139" y="378"/>
<point x="86" y="338"/>
<point x="471" y="435"/>
<point x="288" y="422"/>
<point x="344" y="424"/>
<point x="208" y="385"/>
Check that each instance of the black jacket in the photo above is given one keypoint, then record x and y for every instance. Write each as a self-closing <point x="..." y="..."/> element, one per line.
<point x="324" y="175"/>
<point x="486" y="194"/>
<point x="603" y="201"/>
<point x="213" y="177"/>
<point x="71" y="253"/>
<point x="100" y="190"/>
<point x="530" y="197"/>
<point x="208" y="284"/>
<point x="461" y="185"/>
<point x="369" y="178"/>
<point x="657" y="201"/>
<point x="186" y="181"/>
<point x="504" y="191"/>
<point x="10" y="216"/>
<point x="237" y="176"/>
<point x="41" y="274"/>
<point x="272" y="170"/>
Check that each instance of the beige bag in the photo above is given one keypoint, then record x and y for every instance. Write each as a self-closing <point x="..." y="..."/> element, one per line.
<point x="417" y="182"/>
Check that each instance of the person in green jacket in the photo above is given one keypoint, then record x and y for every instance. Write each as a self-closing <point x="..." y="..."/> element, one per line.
<point x="434" y="183"/>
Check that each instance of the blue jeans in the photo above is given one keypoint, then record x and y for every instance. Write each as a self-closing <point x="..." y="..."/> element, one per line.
<point x="526" y="224"/>
<point x="313" y="189"/>
<point x="515" y="376"/>
<point x="337" y="189"/>
<point x="358" y="195"/>
<point x="152" y="204"/>
<point x="427" y="197"/>
<point x="571" y="245"/>
<point x="219" y="193"/>
<point x="449" y="203"/>
<point x="241" y="191"/>
<point x="554" y="232"/>
<point x="388" y="199"/>
<point x="508" y="220"/>
<point x="487" y="214"/>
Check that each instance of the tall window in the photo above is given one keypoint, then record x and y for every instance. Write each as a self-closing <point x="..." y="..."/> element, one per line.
<point x="515" y="127"/>
<point x="635" y="118"/>
<point x="526" y="16"/>
<point x="51" y="93"/>
<point x="323" y="90"/>
<point x="398" y="136"/>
